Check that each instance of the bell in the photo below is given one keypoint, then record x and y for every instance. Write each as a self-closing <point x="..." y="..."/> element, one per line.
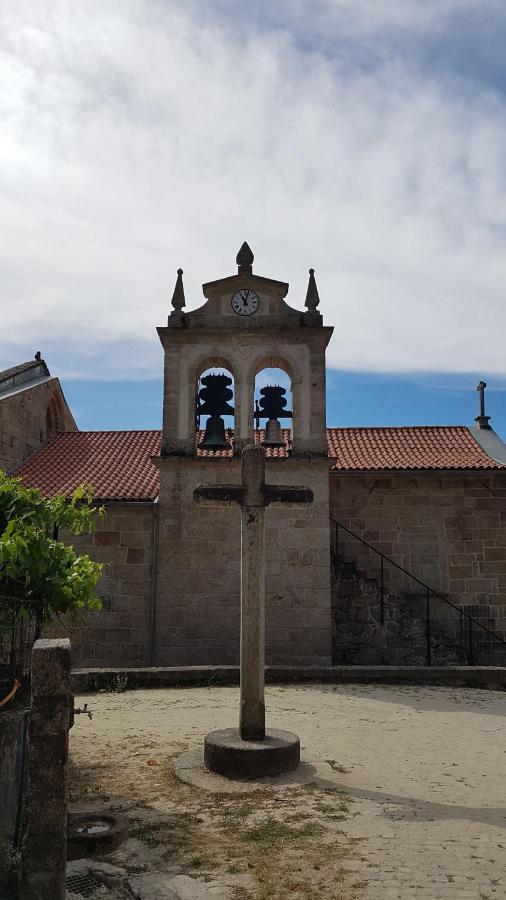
<point x="273" y="435"/>
<point x="214" y="438"/>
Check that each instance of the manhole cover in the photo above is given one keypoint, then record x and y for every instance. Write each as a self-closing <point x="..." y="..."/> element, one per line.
<point x="85" y="885"/>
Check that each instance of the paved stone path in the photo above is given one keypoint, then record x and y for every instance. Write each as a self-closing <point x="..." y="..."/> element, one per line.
<point x="425" y="768"/>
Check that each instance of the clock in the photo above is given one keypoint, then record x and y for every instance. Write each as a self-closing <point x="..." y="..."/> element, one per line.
<point x="245" y="302"/>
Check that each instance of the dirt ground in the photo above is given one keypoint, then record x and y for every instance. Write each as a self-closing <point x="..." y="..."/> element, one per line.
<point x="401" y="795"/>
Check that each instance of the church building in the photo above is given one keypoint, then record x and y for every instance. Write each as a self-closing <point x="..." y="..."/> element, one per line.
<point x="401" y="557"/>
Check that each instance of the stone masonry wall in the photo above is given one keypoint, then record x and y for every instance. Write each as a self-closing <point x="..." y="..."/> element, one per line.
<point x="29" y="418"/>
<point x="44" y="851"/>
<point x="447" y="529"/>
<point x="118" y="634"/>
<point x="198" y="585"/>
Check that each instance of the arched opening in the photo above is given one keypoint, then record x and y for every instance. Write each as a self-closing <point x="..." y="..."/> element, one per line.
<point x="273" y="413"/>
<point x="215" y="409"/>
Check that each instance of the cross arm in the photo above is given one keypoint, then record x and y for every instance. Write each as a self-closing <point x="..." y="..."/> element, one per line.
<point x="280" y="495"/>
<point x="218" y="494"/>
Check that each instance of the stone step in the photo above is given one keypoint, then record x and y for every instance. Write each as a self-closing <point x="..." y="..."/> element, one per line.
<point x="357" y="603"/>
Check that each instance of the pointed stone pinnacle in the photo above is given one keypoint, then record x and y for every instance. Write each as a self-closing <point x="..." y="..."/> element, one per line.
<point x="244" y="258"/>
<point x="178" y="298"/>
<point x="312" y="298"/>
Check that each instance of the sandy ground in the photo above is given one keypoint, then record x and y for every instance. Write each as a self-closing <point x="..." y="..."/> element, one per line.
<point x="406" y="800"/>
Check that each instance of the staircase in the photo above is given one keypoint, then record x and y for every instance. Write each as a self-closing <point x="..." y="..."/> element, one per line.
<point x="415" y="627"/>
<point x="366" y="631"/>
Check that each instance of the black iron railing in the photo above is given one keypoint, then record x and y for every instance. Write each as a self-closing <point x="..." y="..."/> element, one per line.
<point x="469" y="626"/>
<point x="16" y="641"/>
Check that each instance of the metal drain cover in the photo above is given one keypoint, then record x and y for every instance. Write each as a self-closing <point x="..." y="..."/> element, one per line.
<point x="85" y="885"/>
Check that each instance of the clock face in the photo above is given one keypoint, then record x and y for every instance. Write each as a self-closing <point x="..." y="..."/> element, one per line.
<point x="245" y="302"/>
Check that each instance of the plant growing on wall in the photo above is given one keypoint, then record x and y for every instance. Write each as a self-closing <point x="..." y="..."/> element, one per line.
<point x="40" y="576"/>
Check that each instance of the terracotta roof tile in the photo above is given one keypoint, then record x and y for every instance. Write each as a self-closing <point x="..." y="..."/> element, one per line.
<point x="270" y="453"/>
<point x="117" y="464"/>
<point x="411" y="448"/>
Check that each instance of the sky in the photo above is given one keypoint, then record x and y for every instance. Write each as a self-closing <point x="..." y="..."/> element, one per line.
<point x="364" y="138"/>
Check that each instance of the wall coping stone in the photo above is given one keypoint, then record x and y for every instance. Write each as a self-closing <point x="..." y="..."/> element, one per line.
<point x="85" y="681"/>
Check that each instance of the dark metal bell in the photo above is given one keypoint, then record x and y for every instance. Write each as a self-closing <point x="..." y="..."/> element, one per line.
<point x="214" y="438"/>
<point x="273" y="435"/>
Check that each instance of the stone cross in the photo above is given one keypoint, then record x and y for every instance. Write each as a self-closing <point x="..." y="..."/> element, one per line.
<point x="482" y="420"/>
<point x="481" y="390"/>
<point x="253" y="495"/>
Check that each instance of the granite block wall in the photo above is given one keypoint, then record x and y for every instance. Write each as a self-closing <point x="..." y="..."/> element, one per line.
<point x="447" y="529"/>
<point x="198" y="572"/>
<point x="29" y="418"/>
<point x="118" y="634"/>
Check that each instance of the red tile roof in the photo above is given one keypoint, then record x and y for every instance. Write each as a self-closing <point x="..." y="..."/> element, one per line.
<point x="117" y="464"/>
<point x="409" y="448"/>
<point x="270" y="453"/>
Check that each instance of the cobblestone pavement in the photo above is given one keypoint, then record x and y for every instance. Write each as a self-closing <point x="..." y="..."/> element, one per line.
<point x="425" y="769"/>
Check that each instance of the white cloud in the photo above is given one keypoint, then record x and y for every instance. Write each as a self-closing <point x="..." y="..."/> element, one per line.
<point x="140" y="136"/>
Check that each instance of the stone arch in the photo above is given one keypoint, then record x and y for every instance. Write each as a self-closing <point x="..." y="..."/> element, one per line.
<point x="202" y="364"/>
<point x="207" y="361"/>
<point x="291" y="367"/>
<point x="275" y="361"/>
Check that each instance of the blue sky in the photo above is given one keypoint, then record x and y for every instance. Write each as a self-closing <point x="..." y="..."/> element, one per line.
<point x="365" y="138"/>
<point x="353" y="398"/>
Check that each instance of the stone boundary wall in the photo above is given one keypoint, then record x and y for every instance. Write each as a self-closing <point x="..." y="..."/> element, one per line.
<point x="44" y="855"/>
<point x="13" y="727"/>
<point x="448" y="529"/>
<point x="84" y="681"/>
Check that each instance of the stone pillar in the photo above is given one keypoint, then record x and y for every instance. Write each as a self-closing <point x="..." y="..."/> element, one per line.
<point x="252" y="718"/>
<point x="44" y="855"/>
<point x="252" y="715"/>
<point x="244" y="404"/>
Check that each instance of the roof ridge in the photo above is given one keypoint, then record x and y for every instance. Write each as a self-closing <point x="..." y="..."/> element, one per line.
<point x="115" y="431"/>
<point x="287" y="428"/>
<point x="394" y="427"/>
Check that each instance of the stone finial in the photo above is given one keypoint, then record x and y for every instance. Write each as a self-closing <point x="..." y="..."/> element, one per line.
<point x="178" y="298"/>
<point x="312" y="298"/>
<point x="244" y="259"/>
<point x="482" y="420"/>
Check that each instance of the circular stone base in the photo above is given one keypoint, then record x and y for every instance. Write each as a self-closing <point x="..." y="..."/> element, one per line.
<point x="227" y="754"/>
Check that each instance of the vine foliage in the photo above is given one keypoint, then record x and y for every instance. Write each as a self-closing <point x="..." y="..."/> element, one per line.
<point x="42" y="577"/>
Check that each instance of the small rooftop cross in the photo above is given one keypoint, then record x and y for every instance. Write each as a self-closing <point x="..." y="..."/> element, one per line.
<point x="482" y="420"/>
<point x="253" y="495"/>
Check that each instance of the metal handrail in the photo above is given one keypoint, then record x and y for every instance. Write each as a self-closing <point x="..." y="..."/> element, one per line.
<point x="428" y="592"/>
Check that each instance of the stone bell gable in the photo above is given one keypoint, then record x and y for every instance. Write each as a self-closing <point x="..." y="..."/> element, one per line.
<point x="244" y="326"/>
<point x="275" y="335"/>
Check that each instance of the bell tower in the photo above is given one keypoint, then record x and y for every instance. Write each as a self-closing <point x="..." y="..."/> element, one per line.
<point x="213" y="355"/>
<point x="244" y="326"/>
